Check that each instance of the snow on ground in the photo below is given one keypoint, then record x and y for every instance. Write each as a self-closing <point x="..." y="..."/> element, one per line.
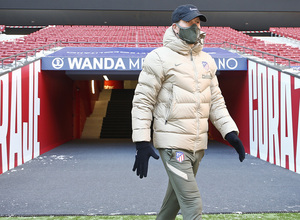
<point x="280" y="40"/>
<point x="5" y="37"/>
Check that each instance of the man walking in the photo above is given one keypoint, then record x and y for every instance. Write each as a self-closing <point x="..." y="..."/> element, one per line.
<point x="178" y="91"/>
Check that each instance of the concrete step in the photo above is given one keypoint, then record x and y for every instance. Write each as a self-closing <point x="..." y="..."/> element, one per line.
<point x="93" y="124"/>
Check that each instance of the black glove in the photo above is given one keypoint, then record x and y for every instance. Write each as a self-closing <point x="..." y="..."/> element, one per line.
<point x="234" y="140"/>
<point x="144" y="151"/>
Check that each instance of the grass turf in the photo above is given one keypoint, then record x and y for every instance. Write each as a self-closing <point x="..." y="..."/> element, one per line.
<point x="263" y="216"/>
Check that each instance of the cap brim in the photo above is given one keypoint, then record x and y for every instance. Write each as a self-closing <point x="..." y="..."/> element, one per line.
<point x="193" y="15"/>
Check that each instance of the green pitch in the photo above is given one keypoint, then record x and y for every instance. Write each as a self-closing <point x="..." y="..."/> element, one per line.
<point x="263" y="216"/>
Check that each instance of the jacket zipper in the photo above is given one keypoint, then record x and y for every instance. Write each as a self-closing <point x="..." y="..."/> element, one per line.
<point x="197" y="100"/>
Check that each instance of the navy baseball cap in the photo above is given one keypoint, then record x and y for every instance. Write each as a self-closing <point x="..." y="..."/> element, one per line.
<point x="187" y="13"/>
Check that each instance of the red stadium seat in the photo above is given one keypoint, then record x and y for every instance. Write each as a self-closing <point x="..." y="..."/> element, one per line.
<point x="147" y="36"/>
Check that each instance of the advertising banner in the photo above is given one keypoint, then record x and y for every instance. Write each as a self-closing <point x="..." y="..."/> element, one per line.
<point x="124" y="59"/>
<point x="34" y="115"/>
<point x="274" y="116"/>
<point x="19" y="111"/>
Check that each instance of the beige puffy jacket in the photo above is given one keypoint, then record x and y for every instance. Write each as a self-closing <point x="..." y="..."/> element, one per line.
<point x="178" y="90"/>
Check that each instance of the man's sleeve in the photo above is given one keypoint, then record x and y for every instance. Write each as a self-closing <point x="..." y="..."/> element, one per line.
<point x="145" y="95"/>
<point x="219" y="115"/>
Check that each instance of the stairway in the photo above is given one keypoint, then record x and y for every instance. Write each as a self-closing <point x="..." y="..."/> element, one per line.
<point x="93" y="124"/>
<point x="117" y="122"/>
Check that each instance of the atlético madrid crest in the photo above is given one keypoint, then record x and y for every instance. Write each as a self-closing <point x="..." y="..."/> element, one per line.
<point x="205" y="65"/>
<point x="180" y="156"/>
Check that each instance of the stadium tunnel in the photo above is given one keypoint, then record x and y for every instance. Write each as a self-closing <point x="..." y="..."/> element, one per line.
<point x="46" y="102"/>
<point x="117" y="69"/>
<point x="55" y="99"/>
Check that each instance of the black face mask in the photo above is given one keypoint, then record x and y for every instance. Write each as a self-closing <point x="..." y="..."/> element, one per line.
<point x="189" y="34"/>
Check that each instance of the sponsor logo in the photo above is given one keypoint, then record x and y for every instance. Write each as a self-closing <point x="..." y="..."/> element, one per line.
<point x="88" y="63"/>
<point x="57" y="63"/>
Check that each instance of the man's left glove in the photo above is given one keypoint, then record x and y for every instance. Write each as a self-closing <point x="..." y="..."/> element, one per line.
<point x="234" y="140"/>
<point x="144" y="151"/>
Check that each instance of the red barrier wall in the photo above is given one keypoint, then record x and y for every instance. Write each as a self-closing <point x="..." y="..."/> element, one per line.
<point x="20" y="115"/>
<point x="56" y="120"/>
<point x="84" y="102"/>
<point x="234" y="87"/>
<point x="274" y="127"/>
<point x="42" y="110"/>
<point x="37" y="112"/>
<point x="264" y="103"/>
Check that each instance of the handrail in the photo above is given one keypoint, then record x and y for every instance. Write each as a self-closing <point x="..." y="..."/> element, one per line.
<point x="60" y="43"/>
<point x="76" y="42"/>
<point x="35" y="50"/>
<point x="262" y="52"/>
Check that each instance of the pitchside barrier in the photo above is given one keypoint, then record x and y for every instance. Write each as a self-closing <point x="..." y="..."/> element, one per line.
<point x="45" y="103"/>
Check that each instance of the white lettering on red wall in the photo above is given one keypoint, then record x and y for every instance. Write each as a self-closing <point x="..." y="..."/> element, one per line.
<point x="274" y="117"/>
<point x="19" y="132"/>
<point x="297" y="86"/>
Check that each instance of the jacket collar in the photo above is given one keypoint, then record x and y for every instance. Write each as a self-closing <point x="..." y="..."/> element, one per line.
<point x="171" y="41"/>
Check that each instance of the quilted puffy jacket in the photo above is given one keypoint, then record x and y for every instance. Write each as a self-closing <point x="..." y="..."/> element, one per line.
<point x="178" y="90"/>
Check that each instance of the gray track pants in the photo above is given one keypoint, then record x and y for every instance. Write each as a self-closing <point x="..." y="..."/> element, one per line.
<point x="182" y="192"/>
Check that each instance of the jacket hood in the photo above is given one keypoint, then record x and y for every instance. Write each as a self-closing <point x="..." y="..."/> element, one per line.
<point x="171" y="41"/>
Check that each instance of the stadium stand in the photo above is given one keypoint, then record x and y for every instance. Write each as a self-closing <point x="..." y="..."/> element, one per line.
<point x="146" y="36"/>
<point x="289" y="32"/>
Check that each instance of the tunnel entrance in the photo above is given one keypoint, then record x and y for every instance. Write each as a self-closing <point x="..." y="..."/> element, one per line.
<point x="107" y="113"/>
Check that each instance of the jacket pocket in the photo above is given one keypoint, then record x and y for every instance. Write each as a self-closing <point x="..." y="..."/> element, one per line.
<point x="169" y="106"/>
